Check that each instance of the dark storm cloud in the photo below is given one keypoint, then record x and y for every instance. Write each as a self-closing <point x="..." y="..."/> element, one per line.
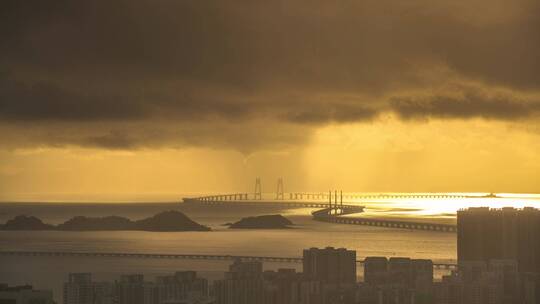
<point x="112" y="140"/>
<point x="340" y="113"/>
<point x="469" y="104"/>
<point x="203" y="65"/>
<point x="43" y="101"/>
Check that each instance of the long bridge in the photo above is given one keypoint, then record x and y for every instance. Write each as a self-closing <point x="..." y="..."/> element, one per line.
<point x="280" y="195"/>
<point x="321" y="195"/>
<point x="317" y="196"/>
<point x="230" y="200"/>
<point x="449" y="266"/>
<point x="331" y="211"/>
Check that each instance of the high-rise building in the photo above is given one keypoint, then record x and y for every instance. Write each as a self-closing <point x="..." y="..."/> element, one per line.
<point x="400" y="270"/>
<point x="282" y="287"/>
<point x="246" y="283"/>
<point x="80" y="289"/>
<point x="396" y="280"/>
<point x="181" y="286"/>
<point x="478" y="282"/>
<point x="24" y="295"/>
<point x="132" y="289"/>
<point x="415" y="273"/>
<point x="243" y="284"/>
<point x="375" y="270"/>
<point x="486" y="234"/>
<point x="330" y="265"/>
<point x="422" y="275"/>
<point x="246" y="268"/>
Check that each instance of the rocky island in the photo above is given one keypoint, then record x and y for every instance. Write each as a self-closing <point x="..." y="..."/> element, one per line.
<point x="274" y="221"/>
<point x="23" y="222"/>
<point x="165" y="221"/>
<point x="169" y="221"/>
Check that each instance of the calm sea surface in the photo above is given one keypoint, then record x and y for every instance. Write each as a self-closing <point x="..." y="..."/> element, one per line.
<point x="50" y="272"/>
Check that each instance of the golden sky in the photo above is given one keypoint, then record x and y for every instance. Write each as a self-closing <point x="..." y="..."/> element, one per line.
<point x="136" y="100"/>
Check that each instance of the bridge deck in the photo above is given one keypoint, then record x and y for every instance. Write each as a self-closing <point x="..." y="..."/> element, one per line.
<point x="282" y="203"/>
<point x="326" y="196"/>
<point x="385" y="223"/>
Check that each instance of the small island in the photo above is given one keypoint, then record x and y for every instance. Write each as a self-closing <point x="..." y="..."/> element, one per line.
<point x="23" y="222"/>
<point x="274" y="221"/>
<point x="168" y="221"/>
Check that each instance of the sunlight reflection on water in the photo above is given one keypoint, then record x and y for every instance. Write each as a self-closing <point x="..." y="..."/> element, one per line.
<point x="443" y="208"/>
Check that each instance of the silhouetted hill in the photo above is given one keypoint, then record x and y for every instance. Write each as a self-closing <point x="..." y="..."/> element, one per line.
<point x="23" y="222"/>
<point x="274" y="221"/>
<point x="169" y="221"/>
<point x="164" y="221"/>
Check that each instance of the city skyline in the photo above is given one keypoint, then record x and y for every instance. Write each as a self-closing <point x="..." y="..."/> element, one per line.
<point x="328" y="276"/>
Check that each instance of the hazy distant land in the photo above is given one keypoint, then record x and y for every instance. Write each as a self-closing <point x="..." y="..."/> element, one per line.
<point x="164" y="221"/>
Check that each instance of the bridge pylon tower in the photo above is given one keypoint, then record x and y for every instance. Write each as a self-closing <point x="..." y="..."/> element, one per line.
<point x="337" y="206"/>
<point x="279" y="192"/>
<point x="258" y="189"/>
